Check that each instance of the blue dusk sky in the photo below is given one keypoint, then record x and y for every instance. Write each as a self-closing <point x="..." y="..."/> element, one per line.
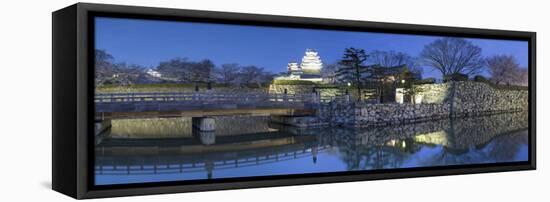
<point x="148" y="42"/>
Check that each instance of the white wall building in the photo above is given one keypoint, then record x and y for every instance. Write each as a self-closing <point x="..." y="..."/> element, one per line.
<point x="311" y="61"/>
<point x="154" y="73"/>
<point x="308" y="70"/>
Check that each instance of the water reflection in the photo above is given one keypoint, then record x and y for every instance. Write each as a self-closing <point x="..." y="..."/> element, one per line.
<point x="168" y="149"/>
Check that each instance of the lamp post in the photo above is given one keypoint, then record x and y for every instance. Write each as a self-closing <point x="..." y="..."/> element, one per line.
<point x="405" y="91"/>
<point x="196" y="96"/>
<point x="348" y="96"/>
<point x="209" y="87"/>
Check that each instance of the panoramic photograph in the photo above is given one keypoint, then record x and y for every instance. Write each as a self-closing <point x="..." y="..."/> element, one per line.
<point x="180" y="101"/>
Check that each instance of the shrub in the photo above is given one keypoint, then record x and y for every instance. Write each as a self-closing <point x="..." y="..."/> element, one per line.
<point x="509" y="87"/>
<point x="480" y="78"/>
<point x="455" y="77"/>
<point x="424" y="81"/>
<point x="326" y="86"/>
<point x="293" y="82"/>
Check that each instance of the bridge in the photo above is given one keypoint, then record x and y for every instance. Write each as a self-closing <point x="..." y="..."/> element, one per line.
<point x="192" y="104"/>
<point x="202" y="106"/>
<point x="116" y="157"/>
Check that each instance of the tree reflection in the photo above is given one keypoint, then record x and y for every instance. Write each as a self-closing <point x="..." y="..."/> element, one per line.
<point x="487" y="139"/>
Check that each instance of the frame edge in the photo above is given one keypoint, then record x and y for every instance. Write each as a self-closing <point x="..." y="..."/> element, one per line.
<point x="84" y="190"/>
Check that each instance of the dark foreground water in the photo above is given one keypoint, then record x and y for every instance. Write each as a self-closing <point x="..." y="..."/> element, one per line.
<point x="156" y="150"/>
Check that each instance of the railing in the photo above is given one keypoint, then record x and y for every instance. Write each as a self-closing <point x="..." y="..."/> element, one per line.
<point x="170" y="167"/>
<point x="205" y="97"/>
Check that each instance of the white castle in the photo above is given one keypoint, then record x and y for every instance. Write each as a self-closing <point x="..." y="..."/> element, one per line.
<point x="309" y="69"/>
<point x="153" y="73"/>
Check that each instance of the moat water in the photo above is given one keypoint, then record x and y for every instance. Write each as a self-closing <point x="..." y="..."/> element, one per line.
<point x="158" y="150"/>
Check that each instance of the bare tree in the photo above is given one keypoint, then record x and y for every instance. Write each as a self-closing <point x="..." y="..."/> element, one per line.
<point x="328" y="72"/>
<point x="392" y="59"/>
<point x="255" y="75"/>
<point x="104" y="66"/>
<point x="107" y="72"/>
<point x="524" y="77"/>
<point x="127" y="74"/>
<point x="176" y="68"/>
<point x="103" y="60"/>
<point x="505" y="69"/>
<point x="187" y="71"/>
<point x="452" y="56"/>
<point x="228" y="73"/>
<point x="201" y="71"/>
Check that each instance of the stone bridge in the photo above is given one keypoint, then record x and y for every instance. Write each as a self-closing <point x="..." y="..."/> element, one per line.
<point x="202" y="106"/>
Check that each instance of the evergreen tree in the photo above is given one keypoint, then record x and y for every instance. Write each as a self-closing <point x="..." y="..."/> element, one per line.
<point x="352" y="66"/>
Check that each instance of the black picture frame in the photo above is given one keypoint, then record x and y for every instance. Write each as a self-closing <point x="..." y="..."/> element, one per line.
<point x="72" y="70"/>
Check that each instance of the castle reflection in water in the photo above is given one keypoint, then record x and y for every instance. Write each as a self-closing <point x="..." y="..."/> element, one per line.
<point x="153" y="150"/>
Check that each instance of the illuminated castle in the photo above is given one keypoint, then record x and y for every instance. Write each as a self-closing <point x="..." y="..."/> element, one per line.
<point x="309" y="69"/>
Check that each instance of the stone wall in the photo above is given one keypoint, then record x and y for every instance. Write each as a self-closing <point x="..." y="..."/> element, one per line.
<point x="363" y="115"/>
<point x="291" y="89"/>
<point x="432" y="93"/>
<point x="325" y="92"/>
<point x="182" y="127"/>
<point x="474" y="97"/>
<point x="437" y="101"/>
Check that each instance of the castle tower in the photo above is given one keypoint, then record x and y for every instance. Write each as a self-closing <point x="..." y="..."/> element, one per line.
<point x="309" y="69"/>
<point x="311" y="62"/>
<point x="293" y="66"/>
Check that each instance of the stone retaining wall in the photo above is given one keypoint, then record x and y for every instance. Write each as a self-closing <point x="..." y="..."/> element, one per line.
<point x="474" y="97"/>
<point x="305" y="89"/>
<point x="438" y="101"/>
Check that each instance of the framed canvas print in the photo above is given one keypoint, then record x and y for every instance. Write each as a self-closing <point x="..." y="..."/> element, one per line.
<point x="155" y="100"/>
